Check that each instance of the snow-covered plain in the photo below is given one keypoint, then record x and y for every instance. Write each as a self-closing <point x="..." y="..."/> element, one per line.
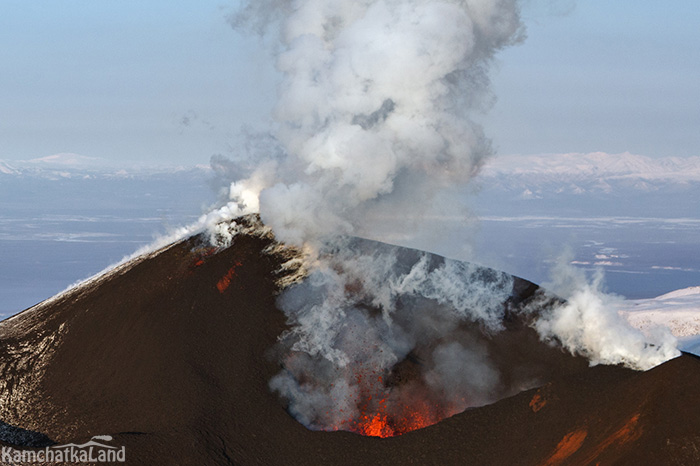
<point x="678" y="310"/>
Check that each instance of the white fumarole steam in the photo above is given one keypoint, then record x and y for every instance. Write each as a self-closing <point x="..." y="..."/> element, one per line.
<point x="373" y="117"/>
<point x="374" y="95"/>
<point x="589" y="323"/>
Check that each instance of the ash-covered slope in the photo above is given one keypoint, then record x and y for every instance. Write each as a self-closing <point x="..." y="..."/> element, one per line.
<point x="172" y="355"/>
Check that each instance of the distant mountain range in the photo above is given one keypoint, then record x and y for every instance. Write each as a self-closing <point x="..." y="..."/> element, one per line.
<point x="594" y="183"/>
<point x="6" y="169"/>
<point x="73" y="166"/>
<point x="595" y="172"/>
<point x="573" y="172"/>
<point x="71" y="184"/>
<point x="552" y="184"/>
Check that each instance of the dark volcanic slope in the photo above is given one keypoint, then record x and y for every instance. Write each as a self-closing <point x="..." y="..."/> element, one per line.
<point x="169" y="355"/>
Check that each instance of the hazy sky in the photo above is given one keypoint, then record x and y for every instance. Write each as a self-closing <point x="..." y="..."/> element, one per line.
<point x="171" y="82"/>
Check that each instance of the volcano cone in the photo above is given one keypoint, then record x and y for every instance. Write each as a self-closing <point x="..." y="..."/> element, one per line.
<point x="172" y="354"/>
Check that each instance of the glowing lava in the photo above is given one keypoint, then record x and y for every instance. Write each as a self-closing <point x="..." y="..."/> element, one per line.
<point x="389" y="424"/>
<point x="223" y="284"/>
<point x="375" y="426"/>
<point x="384" y="412"/>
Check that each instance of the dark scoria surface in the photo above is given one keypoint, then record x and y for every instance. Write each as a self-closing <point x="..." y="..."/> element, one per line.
<point x="171" y="356"/>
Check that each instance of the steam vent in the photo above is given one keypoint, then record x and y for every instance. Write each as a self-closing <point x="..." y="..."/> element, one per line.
<point x="195" y="355"/>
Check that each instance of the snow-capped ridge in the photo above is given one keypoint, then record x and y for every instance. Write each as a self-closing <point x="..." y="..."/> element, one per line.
<point x="677" y="310"/>
<point x="693" y="291"/>
<point x="67" y="159"/>
<point x="74" y="166"/>
<point x="597" y="165"/>
<point x="549" y="176"/>
<point x="7" y="169"/>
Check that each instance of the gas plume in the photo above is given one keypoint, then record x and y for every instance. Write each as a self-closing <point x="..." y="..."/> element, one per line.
<point x="387" y="340"/>
<point x="374" y="120"/>
<point x="590" y="325"/>
<point x="374" y="94"/>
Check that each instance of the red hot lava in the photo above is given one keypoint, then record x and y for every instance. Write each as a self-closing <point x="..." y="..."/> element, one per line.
<point x="223" y="284"/>
<point x="384" y="424"/>
<point x="386" y="412"/>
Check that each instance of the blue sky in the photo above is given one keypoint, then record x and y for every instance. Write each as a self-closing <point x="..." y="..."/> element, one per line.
<point x="171" y="82"/>
<point x="609" y="76"/>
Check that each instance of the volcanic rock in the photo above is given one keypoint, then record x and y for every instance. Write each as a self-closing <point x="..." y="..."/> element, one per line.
<point x="171" y="355"/>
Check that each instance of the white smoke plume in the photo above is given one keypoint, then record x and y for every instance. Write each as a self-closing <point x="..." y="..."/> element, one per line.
<point x="590" y="325"/>
<point x="375" y="120"/>
<point x="370" y="310"/>
<point x="373" y="94"/>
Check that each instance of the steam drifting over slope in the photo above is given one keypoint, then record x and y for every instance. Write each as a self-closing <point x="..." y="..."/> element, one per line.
<point x="374" y="116"/>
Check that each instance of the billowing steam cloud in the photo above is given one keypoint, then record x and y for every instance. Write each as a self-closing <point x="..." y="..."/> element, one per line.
<point x="374" y="95"/>
<point x="391" y="337"/>
<point x="375" y="117"/>
<point x="589" y="324"/>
